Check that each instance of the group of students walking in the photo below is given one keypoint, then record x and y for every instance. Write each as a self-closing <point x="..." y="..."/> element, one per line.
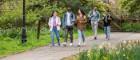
<point x="80" y="19"/>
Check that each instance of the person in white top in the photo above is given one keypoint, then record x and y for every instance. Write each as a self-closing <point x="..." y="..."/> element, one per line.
<point x="54" y="25"/>
<point x="68" y="23"/>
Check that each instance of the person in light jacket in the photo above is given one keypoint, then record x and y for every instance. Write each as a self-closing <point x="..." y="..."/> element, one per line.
<point x="54" y="25"/>
<point x="94" y="16"/>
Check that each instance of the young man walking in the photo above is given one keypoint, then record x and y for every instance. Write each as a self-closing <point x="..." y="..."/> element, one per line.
<point x="68" y="23"/>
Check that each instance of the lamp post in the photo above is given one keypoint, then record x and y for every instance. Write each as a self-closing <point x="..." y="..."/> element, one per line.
<point x="23" y="40"/>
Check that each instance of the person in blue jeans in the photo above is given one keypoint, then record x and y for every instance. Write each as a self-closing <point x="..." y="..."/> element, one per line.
<point x="107" y="25"/>
<point x="54" y="24"/>
<point x="81" y="25"/>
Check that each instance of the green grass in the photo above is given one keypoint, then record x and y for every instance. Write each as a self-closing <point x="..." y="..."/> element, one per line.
<point x="131" y="27"/>
<point x="10" y="40"/>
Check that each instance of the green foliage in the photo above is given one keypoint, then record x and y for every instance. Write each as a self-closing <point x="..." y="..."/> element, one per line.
<point x="35" y="9"/>
<point x="131" y="6"/>
<point x="102" y="7"/>
<point x="126" y="50"/>
<point x="131" y="27"/>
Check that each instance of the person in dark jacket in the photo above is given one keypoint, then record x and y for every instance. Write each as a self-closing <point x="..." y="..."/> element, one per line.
<point x="68" y="23"/>
<point x="107" y="25"/>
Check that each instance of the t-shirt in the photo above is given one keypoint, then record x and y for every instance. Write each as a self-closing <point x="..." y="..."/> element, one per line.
<point x="68" y="19"/>
<point x="54" y="21"/>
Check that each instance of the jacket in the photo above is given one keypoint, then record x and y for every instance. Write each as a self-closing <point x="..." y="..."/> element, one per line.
<point x="72" y="19"/>
<point x="107" y="20"/>
<point x="81" y="22"/>
<point x="58" y="23"/>
<point x="94" y="18"/>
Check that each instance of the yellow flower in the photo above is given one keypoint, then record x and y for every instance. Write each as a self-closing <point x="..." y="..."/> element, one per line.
<point x="124" y="42"/>
<point x="105" y="58"/>
<point x="89" y="53"/>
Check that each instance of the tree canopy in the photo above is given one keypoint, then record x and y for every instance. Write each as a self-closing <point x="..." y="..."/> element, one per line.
<point x="11" y="10"/>
<point x="132" y="7"/>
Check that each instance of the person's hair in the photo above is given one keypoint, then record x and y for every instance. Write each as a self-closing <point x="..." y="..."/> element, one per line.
<point x="68" y="6"/>
<point x="94" y="7"/>
<point x="53" y="13"/>
<point x="82" y="11"/>
<point x="108" y="10"/>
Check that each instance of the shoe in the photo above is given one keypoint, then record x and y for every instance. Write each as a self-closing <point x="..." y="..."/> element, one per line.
<point x="52" y="45"/>
<point x="59" y="44"/>
<point x="79" y="44"/>
<point x="64" y="44"/>
<point x="95" y="38"/>
<point x="71" y="44"/>
<point x="107" y="38"/>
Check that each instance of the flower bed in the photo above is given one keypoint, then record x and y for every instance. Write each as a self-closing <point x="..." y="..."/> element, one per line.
<point x="126" y="50"/>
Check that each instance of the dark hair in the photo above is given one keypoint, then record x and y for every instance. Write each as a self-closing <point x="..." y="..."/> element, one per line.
<point x="53" y="13"/>
<point x="82" y="11"/>
<point x="107" y="10"/>
<point x="68" y="6"/>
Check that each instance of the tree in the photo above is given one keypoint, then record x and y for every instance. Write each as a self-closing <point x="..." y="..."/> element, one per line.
<point x="132" y="7"/>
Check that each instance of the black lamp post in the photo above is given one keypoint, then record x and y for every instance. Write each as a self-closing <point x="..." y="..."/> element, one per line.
<point x="23" y="40"/>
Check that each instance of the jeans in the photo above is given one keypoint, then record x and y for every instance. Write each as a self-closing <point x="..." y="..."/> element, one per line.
<point x="107" y="31"/>
<point x="55" y="32"/>
<point x="69" y="30"/>
<point x="94" y="26"/>
<point x="81" y="36"/>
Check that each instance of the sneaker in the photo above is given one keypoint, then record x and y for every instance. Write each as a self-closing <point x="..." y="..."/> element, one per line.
<point x="79" y="44"/>
<point x="95" y="38"/>
<point x="59" y="44"/>
<point x="65" y="44"/>
<point x="71" y="44"/>
<point x="108" y="38"/>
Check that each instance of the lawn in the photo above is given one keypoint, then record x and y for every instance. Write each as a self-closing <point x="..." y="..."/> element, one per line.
<point x="10" y="40"/>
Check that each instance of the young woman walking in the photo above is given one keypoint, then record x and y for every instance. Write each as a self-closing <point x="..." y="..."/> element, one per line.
<point x="81" y="25"/>
<point x="54" y="24"/>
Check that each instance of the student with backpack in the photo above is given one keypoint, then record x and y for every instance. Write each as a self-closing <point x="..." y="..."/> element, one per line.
<point x="107" y="25"/>
<point x="94" y="16"/>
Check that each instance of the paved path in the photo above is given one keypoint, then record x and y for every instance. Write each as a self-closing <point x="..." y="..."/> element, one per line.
<point x="57" y="53"/>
